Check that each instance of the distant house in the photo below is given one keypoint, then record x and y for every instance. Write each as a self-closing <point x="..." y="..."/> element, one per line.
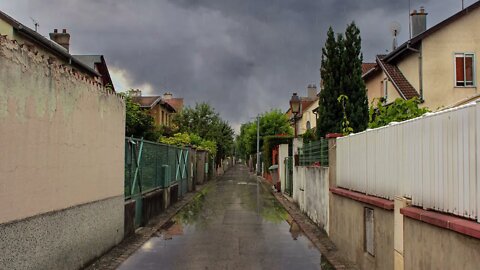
<point x="98" y="63"/>
<point x="307" y="118"/>
<point x="438" y="65"/>
<point x="158" y="107"/>
<point x="57" y="47"/>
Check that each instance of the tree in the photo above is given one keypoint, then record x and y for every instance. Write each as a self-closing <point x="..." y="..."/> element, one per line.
<point x="272" y="123"/>
<point x="206" y="123"/>
<point x="138" y="123"/>
<point x="353" y="84"/>
<point x="329" y="110"/>
<point x="341" y="74"/>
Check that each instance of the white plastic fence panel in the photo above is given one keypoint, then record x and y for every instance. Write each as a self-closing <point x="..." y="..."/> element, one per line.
<point x="431" y="159"/>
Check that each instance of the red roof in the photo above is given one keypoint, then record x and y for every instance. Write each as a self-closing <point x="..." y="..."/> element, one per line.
<point x="406" y="90"/>
<point x="150" y="101"/>
<point x="176" y="103"/>
<point x="366" y="67"/>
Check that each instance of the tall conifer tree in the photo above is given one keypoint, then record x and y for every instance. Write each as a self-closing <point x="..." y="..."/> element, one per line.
<point x="353" y="84"/>
<point x="329" y="110"/>
<point x="341" y="74"/>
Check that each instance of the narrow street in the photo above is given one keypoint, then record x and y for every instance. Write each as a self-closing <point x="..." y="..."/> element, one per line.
<point x="235" y="223"/>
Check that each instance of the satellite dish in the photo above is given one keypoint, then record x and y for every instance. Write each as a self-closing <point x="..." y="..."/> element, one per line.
<point x="395" y="29"/>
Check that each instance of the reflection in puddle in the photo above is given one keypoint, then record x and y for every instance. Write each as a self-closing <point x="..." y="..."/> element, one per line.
<point x="240" y="226"/>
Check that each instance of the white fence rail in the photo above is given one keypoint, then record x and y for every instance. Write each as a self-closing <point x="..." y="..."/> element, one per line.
<point x="430" y="159"/>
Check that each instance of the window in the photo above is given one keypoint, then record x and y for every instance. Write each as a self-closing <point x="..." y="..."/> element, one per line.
<point x="464" y="69"/>
<point x="369" y="231"/>
<point x="308" y="125"/>
<point x="385" y="89"/>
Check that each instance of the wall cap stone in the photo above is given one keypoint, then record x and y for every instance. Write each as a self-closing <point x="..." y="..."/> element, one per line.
<point x="372" y="200"/>
<point x="446" y="221"/>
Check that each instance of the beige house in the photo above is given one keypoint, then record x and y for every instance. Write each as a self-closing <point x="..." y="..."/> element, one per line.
<point x="57" y="47"/>
<point x="158" y="107"/>
<point x="307" y="118"/>
<point x="438" y="65"/>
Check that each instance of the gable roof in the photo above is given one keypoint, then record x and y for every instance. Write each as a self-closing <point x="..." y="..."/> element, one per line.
<point x="148" y="102"/>
<point x="404" y="88"/>
<point x="367" y="67"/>
<point x="404" y="48"/>
<point x="176" y="103"/>
<point x="99" y="62"/>
<point x="47" y="44"/>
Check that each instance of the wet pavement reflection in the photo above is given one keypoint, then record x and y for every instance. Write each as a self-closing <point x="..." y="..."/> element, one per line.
<point x="233" y="224"/>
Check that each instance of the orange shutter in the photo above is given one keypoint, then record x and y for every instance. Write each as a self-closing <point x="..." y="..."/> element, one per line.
<point x="459" y="71"/>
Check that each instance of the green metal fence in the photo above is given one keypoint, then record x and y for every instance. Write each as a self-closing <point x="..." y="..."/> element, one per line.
<point x="313" y="153"/>
<point x="150" y="165"/>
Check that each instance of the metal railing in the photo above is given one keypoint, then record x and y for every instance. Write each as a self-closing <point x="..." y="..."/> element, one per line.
<point x="431" y="159"/>
<point x="314" y="153"/>
<point x="150" y="165"/>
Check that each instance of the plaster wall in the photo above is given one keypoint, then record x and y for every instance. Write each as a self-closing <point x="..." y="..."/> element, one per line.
<point x="282" y="154"/>
<point x="313" y="193"/>
<point x="439" y="49"/>
<point x="430" y="247"/>
<point x="61" y="135"/>
<point x="347" y="227"/>
<point x="375" y="89"/>
<point x="409" y="66"/>
<point x="307" y="116"/>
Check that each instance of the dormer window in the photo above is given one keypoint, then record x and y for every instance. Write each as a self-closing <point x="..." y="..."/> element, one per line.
<point x="464" y="69"/>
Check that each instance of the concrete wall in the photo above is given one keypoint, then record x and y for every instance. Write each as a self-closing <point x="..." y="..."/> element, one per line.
<point x="61" y="168"/>
<point x="347" y="227"/>
<point x="311" y="192"/>
<point x="282" y="154"/>
<point x="430" y="247"/>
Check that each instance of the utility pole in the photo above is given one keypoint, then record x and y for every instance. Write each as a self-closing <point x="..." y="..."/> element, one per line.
<point x="258" y="144"/>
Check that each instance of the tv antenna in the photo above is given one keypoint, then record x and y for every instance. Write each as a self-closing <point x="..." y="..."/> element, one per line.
<point x="395" y="29"/>
<point x="37" y="25"/>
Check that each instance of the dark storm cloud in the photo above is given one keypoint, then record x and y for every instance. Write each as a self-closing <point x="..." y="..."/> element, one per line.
<point x="242" y="56"/>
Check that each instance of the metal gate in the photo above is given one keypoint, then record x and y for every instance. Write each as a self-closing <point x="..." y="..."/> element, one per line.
<point x="288" y="175"/>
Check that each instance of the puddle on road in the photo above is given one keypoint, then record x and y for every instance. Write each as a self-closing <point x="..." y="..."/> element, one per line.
<point x="227" y="226"/>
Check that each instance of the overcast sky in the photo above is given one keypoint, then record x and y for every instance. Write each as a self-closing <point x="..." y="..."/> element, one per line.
<point x="241" y="56"/>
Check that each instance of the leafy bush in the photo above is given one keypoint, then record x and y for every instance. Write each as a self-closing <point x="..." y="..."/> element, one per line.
<point x="399" y="110"/>
<point x="186" y="139"/>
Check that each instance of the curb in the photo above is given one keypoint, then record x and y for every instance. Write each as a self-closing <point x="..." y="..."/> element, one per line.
<point x="316" y="235"/>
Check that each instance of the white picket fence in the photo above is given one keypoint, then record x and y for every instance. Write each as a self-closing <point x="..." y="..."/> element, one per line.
<point x="431" y="159"/>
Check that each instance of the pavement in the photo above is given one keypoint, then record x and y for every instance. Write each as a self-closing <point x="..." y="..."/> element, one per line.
<point x="233" y="222"/>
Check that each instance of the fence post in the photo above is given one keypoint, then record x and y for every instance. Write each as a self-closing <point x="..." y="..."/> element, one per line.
<point x="137" y="168"/>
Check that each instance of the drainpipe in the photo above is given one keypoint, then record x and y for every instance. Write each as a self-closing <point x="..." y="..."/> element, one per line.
<point x="420" y="68"/>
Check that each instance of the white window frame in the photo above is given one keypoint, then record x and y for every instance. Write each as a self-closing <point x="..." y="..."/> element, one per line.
<point x="385" y="90"/>
<point x="474" y="70"/>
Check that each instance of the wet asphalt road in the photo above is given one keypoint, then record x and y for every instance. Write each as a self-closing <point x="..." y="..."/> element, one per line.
<point x="233" y="224"/>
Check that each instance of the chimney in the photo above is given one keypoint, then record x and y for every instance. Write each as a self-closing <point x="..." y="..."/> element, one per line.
<point x="419" y="21"/>
<point x="312" y="91"/>
<point x="62" y="39"/>
<point x="135" y="93"/>
<point x="167" y="96"/>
